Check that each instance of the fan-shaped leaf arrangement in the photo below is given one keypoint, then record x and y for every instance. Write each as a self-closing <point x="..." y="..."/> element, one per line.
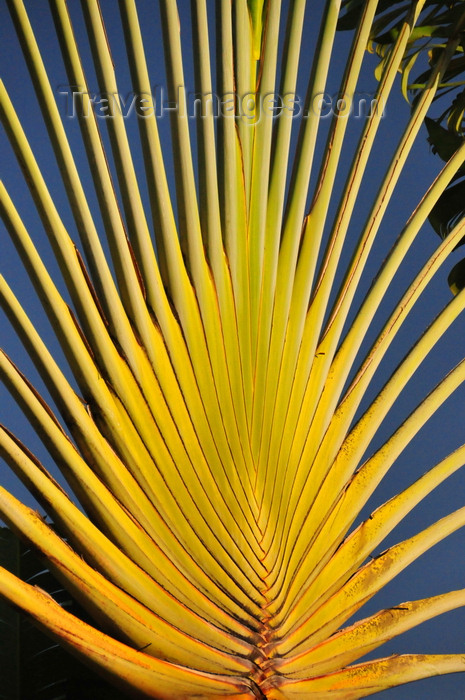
<point x="212" y="441"/>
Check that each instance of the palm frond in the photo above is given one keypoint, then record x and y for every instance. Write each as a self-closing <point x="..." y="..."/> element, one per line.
<point x="217" y="411"/>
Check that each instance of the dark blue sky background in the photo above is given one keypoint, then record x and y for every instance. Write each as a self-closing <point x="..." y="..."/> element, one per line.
<point x="443" y="568"/>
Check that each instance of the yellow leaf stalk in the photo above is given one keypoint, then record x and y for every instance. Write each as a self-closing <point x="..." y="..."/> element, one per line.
<point x="212" y="418"/>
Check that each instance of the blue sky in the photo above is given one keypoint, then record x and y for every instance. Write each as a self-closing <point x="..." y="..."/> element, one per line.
<point x="444" y="567"/>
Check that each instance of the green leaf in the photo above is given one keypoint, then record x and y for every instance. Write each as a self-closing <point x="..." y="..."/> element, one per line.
<point x="352" y="10"/>
<point x="443" y="141"/>
<point x="456" y="277"/>
<point x="448" y="211"/>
